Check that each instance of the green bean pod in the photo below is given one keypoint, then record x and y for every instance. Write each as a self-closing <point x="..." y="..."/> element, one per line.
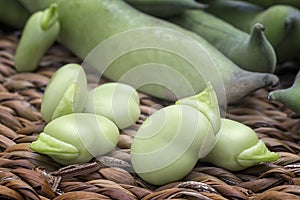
<point x="281" y="22"/>
<point x="169" y="143"/>
<point x="116" y="101"/>
<point x="238" y="148"/>
<point x="13" y="14"/>
<point x="40" y="31"/>
<point x="65" y="93"/>
<point x="77" y="138"/>
<point x="165" y="8"/>
<point x="251" y="52"/>
<point x="288" y="96"/>
<point x="113" y="17"/>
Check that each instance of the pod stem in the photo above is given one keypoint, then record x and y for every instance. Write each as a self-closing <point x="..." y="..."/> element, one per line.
<point x="207" y="103"/>
<point x="256" y="154"/>
<point x="51" y="146"/>
<point x="49" y="17"/>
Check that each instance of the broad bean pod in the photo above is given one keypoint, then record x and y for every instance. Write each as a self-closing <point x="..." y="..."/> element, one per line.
<point x="281" y="22"/>
<point x="111" y="17"/>
<point x="288" y="96"/>
<point x="252" y="52"/>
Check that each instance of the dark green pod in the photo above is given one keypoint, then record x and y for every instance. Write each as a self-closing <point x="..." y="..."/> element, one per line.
<point x="281" y="22"/>
<point x="39" y="33"/>
<point x="104" y="19"/>
<point x="13" y="14"/>
<point x="288" y="96"/>
<point x="251" y="52"/>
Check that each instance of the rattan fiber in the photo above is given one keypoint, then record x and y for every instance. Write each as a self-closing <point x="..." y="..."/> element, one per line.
<point x="27" y="175"/>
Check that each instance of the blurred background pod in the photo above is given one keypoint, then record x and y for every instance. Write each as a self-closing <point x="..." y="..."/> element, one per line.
<point x="281" y="22"/>
<point x="252" y="52"/>
<point x="13" y="13"/>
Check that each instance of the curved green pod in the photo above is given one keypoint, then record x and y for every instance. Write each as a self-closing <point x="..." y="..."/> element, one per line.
<point x="65" y="93"/>
<point x="13" y="14"/>
<point x="103" y="19"/>
<point x="77" y="138"/>
<point x="118" y="102"/>
<point x="40" y="32"/>
<point x="238" y="147"/>
<point x="281" y="22"/>
<point x="165" y="8"/>
<point x="169" y="143"/>
<point x="121" y="17"/>
<point x="288" y="96"/>
<point x="252" y="52"/>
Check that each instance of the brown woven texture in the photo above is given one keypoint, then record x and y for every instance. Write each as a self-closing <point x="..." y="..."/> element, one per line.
<point x="25" y="174"/>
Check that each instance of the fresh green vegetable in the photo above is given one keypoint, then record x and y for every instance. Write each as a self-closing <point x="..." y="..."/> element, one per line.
<point x="238" y="147"/>
<point x="281" y="22"/>
<point x="289" y="96"/>
<point x="38" y="35"/>
<point x="13" y="14"/>
<point x="169" y="142"/>
<point x="77" y="138"/>
<point x="165" y="8"/>
<point x="116" y="101"/>
<point x="251" y="52"/>
<point x="65" y="93"/>
<point x="103" y="19"/>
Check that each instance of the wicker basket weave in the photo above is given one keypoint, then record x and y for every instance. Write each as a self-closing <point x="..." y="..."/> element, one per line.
<point x="27" y="175"/>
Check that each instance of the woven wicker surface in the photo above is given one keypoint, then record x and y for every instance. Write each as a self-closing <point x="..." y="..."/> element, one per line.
<point x="28" y="175"/>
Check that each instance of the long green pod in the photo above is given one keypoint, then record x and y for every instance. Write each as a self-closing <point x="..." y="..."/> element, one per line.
<point x="77" y="138"/>
<point x="121" y="17"/>
<point x="238" y="147"/>
<point x="102" y="19"/>
<point x="165" y="8"/>
<point x="40" y="32"/>
<point x="281" y="22"/>
<point x="13" y="14"/>
<point x="288" y="96"/>
<point x="251" y="52"/>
